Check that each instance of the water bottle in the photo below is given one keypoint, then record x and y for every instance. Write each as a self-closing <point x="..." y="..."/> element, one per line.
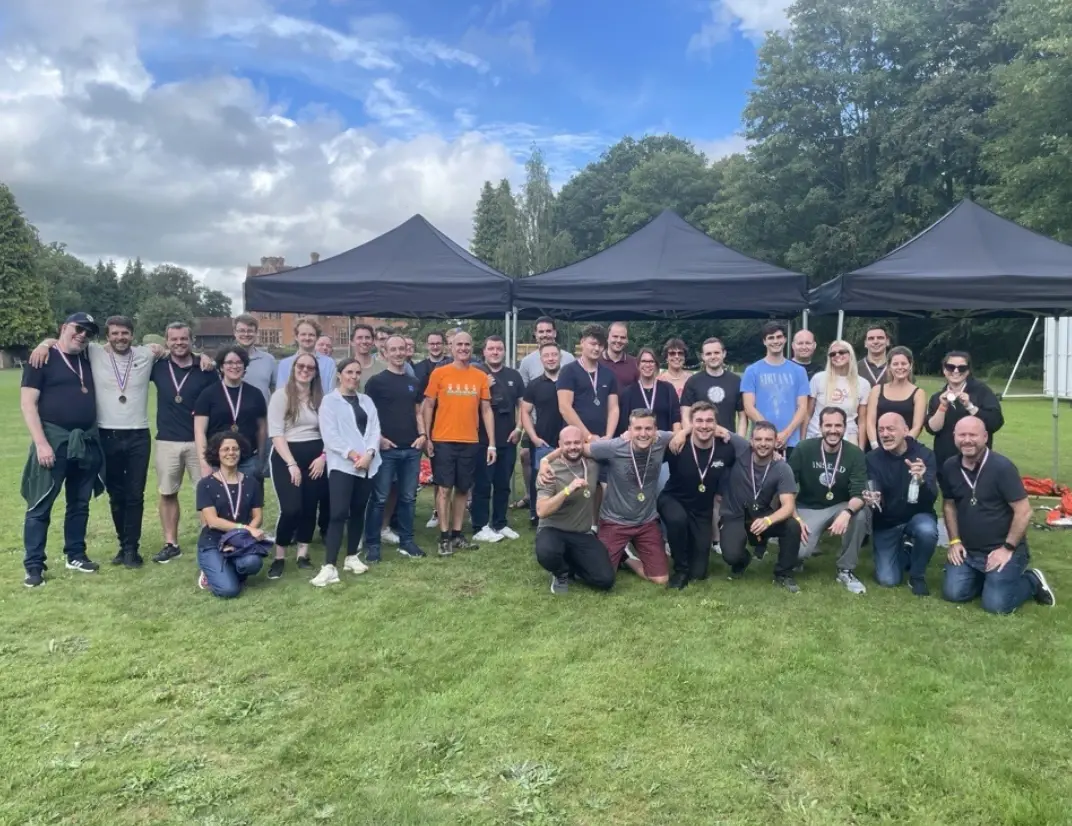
<point x="913" y="490"/>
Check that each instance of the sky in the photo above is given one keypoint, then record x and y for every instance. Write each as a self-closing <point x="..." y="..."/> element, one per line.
<point x="210" y="133"/>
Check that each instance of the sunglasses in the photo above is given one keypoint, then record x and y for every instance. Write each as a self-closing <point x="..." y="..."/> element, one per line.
<point x="836" y="353"/>
<point x="676" y="353"/>
<point x="305" y="368"/>
<point x="79" y="330"/>
<point x="956" y="368"/>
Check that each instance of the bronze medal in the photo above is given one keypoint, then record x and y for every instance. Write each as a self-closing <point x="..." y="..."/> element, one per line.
<point x="234" y="428"/>
<point x="122" y="399"/>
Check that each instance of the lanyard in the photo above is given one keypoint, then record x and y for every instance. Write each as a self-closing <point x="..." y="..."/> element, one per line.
<point x="752" y="476"/>
<point x="235" y="503"/>
<point x="178" y="385"/>
<point x="593" y="377"/>
<point x="121" y="381"/>
<point x="978" y="472"/>
<point x="830" y="473"/>
<point x="649" y="404"/>
<point x="67" y="361"/>
<point x="578" y="477"/>
<point x="636" y="469"/>
<point x="710" y="461"/>
<point x="876" y="379"/>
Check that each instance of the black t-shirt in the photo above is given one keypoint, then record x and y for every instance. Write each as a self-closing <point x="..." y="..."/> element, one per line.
<point x="574" y="377"/>
<point x="983" y="526"/>
<point x="505" y="395"/>
<point x="542" y="394"/>
<point x="663" y="402"/>
<point x="360" y="416"/>
<point x="811" y="368"/>
<point x="724" y="392"/>
<point x="684" y="483"/>
<point x="175" y="420"/>
<point x="424" y="369"/>
<point x="251" y="408"/>
<point x="211" y="494"/>
<point x="62" y="401"/>
<point x="396" y="398"/>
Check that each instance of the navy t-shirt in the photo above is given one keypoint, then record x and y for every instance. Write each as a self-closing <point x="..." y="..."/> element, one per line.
<point x="576" y="378"/>
<point x="62" y="401"/>
<point x="542" y="394"/>
<point x="251" y="408"/>
<point x="983" y="526"/>
<point x="210" y="494"/>
<point x="175" y="420"/>
<point x="396" y="398"/>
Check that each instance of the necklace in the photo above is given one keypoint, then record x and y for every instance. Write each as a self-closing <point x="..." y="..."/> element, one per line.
<point x="67" y="361"/>
<point x="829" y="476"/>
<point x="978" y="472"/>
<point x="636" y="469"/>
<point x="236" y="503"/>
<point x="121" y="381"/>
<point x="710" y="461"/>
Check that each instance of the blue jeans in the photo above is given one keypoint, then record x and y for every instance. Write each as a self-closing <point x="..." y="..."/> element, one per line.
<point x="1003" y="591"/>
<point x="78" y="482"/>
<point x="892" y="558"/>
<point x="226" y="574"/>
<point x="491" y="493"/>
<point x="401" y="465"/>
<point x="537" y="454"/>
<point x="252" y="466"/>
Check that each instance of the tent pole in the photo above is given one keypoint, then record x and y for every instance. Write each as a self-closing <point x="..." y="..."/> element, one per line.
<point x="1056" y="398"/>
<point x="804" y="320"/>
<point x="506" y="336"/>
<point x="513" y="350"/>
<point x="841" y="325"/>
<point x="1020" y="358"/>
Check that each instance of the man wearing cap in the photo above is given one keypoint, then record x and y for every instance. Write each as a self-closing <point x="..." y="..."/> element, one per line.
<point x="58" y="406"/>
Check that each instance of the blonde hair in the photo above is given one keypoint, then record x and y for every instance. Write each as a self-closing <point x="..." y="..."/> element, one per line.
<point x="852" y="372"/>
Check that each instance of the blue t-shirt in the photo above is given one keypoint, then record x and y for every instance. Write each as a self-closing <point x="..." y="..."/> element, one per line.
<point x="777" y="390"/>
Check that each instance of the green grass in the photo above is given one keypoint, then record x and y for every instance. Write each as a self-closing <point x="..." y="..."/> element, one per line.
<point x="460" y="692"/>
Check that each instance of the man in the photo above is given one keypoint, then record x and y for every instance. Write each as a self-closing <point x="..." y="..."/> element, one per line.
<point x="776" y="390"/>
<point x="411" y="348"/>
<point x="60" y="412"/>
<point x="326" y="347"/>
<point x="541" y="417"/>
<point x="261" y="370"/>
<point x="433" y="345"/>
<point x="491" y="493"/>
<point x="873" y="366"/>
<point x="397" y="398"/>
<point x="565" y="544"/>
<point x="624" y="366"/>
<point x="905" y="533"/>
<point x="759" y="503"/>
<point x="686" y="505"/>
<point x="717" y="385"/>
<point x="307" y="333"/>
<point x="803" y="350"/>
<point x="383" y="332"/>
<point x="987" y="512"/>
<point x="179" y="381"/>
<point x="532" y="366"/>
<point x="361" y="343"/>
<point x="831" y="476"/>
<point x="457" y="399"/>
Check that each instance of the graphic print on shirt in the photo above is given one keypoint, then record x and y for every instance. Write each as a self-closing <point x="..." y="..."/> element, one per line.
<point x="780" y="399"/>
<point x="716" y="395"/>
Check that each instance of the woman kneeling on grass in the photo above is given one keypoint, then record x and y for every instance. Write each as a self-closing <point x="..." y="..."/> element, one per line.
<point x="229" y="501"/>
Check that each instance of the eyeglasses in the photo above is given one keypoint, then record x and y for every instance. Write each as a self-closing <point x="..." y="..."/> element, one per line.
<point x="647" y="361"/>
<point x="836" y="353"/>
<point x="304" y="368"/>
<point x="956" y="368"/>
<point x="233" y="363"/>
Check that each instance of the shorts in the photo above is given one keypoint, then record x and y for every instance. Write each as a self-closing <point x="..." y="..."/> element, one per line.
<point x="647" y="541"/>
<point x="172" y="458"/>
<point x="454" y="465"/>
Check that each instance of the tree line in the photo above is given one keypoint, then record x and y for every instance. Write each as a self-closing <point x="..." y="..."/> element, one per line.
<point x="866" y="122"/>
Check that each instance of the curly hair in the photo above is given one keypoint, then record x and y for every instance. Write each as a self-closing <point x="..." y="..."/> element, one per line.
<point x="216" y="440"/>
<point x="238" y="350"/>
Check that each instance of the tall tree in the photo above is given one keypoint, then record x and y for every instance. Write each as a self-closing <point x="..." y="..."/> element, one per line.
<point x="212" y="303"/>
<point x="489" y="225"/>
<point x="545" y="247"/>
<point x="133" y="287"/>
<point x="173" y="281"/>
<point x="25" y="314"/>
<point x="65" y="277"/>
<point x="160" y="310"/>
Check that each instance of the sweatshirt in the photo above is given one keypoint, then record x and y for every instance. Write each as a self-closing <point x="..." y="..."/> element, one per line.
<point x="890" y="472"/>
<point x="806" y="460"/>
<point x="989" y="411"/>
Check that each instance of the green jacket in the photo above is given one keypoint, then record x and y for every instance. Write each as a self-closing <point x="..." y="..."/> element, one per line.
<point x="806" y="461"/>
<point x="37" y="481"/>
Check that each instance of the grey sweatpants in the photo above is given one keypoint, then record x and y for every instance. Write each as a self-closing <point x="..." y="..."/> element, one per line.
<point x="818" y="521"/>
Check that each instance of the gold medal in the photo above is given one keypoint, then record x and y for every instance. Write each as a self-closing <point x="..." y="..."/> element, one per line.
<point x="829" y="496"/>
<point x="640" y="496"/>
<point x="702" y="488"/>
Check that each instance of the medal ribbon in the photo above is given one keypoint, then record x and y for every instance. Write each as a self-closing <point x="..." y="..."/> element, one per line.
<point x="81" y="379"/>
<point x="177" y="384"/>
<point x="234" y="407"/>
<point x="636" y="468"/>
<point x="876" y="379"/>
<point x="978" y="471"/>
<point x="121" y="382"/>
<point x="831" y="473"/>
<point x="235" y="503"/>
<point x="648" y="405"/>
<point x="696" y="458"/>
<point x="752" y="476"/>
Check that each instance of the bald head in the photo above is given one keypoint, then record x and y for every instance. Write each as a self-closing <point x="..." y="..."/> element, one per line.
<point x="571" y="440"/>
<point x="892" y="432"/>
<point x="803" y="345"/>
<point x="461" y="347"/>
<point x="971" y="437"/>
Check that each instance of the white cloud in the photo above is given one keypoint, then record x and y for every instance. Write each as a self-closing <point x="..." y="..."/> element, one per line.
<point x="722" y="147"/>
<point x="753" y="18"/>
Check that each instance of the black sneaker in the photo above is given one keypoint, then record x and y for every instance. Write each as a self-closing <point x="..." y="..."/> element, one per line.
<point x="788" y="583"/>
<point x="412" y="551"/>
<point x="919" y="587"/>
<point x="446" y="548"/>
<point x="83" y="565"/>
<point x="132" y="559"/>
<point x="372" y="555"/>
<point x="167" y="553"/>
<point x="760" y="551"/>
<point x="118" y="558"/>
<point x="460" y="543"/>
<point x="678" y="582"/>
<point x="736" y="573"/>
<point x="1044" y="593"/>
<point x="275" y="570"/>
<point x="33" y="579"/>
<point x="303" y="562"/>
<point x="534" y="521"/>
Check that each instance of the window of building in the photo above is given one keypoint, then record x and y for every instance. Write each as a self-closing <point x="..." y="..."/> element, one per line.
<point x="269" y="337"/>
<point x="341" y="336"/>
<point x="271" y="316"/>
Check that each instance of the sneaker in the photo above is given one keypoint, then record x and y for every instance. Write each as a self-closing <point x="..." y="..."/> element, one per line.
<point x="678" y="582"/>
<point x="486" y="534"/>
<point x="389" y="536"/>
<point x="559" y="584"/>
<point x="716" y="548"/>
<point x="666" y="547"/>
<point x="534" y="521"/>
<point x="275" y="570"/>
<point x="1044" y="595"/>
<point x="850" y="581"/>
<point x="919" y="587"/>
<point x="304" y="561"/>
<point x="788" y="583"/>
<point x="372" y="555"/>
<point x="735" y="573"/>
<point x="329" y="575"/>
<point x="413" y="552"/>
<point x="33" y="579"/>
<point x="83" y="565"/>
<point x="509" y="533"/>
<point x="433" y="522"/>
<point x="460" y="543"/>
<point x="202" y="581"/>
<point x="353" y="564"/>
<point x="132" y="559"/>
<point x="630" y="553"/>
<point x="798" y="568"/>
<point x="167" y="553"/>
<point x="118" y="558"/>
<point x="446" y="548"/>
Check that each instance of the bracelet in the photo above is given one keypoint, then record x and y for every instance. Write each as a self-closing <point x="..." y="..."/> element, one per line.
<point x="955" y="541"/>
<point x="767" y="519"/>
<point x="566" y="491"/>
<point x="292" y="464"/>
<point x="492" y="447"/>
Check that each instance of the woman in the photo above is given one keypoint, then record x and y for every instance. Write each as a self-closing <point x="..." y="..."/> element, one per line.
<point x="962" y="396"/>
<point x="899" y="395"/>
<point x="675" y="353"/>
<point x="350" y="428"/>
<point x="228" y="500"/>
<point x="650" y="394"/>
<point x="841" y="386"/>
<point x="232" y="406"/>
<point x="298" y="461"/>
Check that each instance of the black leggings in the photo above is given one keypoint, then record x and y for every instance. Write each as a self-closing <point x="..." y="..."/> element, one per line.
<point x="349" y="497"/>
<point x="297" y="505"/>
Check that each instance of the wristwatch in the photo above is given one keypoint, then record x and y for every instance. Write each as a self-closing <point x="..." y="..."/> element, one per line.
<point x="1008" y="546"/>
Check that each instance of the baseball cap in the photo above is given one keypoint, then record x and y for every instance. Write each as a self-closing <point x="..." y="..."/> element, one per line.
<point x="84" y="320"/>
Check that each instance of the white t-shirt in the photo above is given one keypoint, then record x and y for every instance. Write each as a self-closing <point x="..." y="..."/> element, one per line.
<point x="133" y="414"/>
<point x="838" y="396"/>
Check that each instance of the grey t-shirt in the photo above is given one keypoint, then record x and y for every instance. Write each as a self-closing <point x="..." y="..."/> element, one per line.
<point x="620" y="502"/>
<point x="532" y="368"/>
<point x="770" y="481"/>
<point x="575" y="515"/>
<point x="261" y="372"/>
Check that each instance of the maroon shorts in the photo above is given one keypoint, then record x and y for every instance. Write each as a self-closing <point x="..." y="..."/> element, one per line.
<point x="647" y="541"/>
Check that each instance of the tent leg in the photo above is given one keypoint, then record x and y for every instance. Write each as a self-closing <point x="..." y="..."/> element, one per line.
<point x="1056" y="398"/>
<point x="840" y="325"/>
<point x="1020" y="358"/>
<point x="513" y="348"/>
<point x="804" y="320"/>
<point x="506" y="336"/>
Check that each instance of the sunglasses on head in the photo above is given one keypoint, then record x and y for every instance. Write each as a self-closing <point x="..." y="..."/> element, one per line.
<point x="839" y="352"/>
<point x="956" y="368"/>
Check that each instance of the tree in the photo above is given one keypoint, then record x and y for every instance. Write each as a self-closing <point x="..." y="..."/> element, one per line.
<point x="213" y="303"/>
<point x="133" y="287"/>
<point x="545" y="248"/>
<point x="101" y="295"/>
<point x="160" y="310"/>
<point x="680" y="181"/>
<point x="65" y="278"/>
<point x="175" y="282"/>
<point x="25" y="314"/>
<point x="489" y="224"/>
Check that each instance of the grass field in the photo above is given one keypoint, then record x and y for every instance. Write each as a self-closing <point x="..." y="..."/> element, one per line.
<point x="459" y="691"/>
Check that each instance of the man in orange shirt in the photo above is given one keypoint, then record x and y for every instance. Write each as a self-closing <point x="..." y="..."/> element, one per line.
<point x="456" y="399"/>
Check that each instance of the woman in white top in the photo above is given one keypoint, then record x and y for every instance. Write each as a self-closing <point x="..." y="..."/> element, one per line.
<point x="839" y="385"/>
<point x="350" y="427"/>
<point x="298" y="462"/>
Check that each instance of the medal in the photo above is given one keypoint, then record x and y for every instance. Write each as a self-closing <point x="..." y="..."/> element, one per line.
<point x="752" y="477"/>
<point x="234" y="428"/>
<point x="951" y="397"/>
<point x="597" y="402"/>
<point x="178" y="384"/>
<point x="67" y="361"/>
<point x="178" y="399"/>
<point x="829" y="496"/>
<point x="829" y="473"/>
<point x="702" y="471"/>
<point x="974" y="501"/>
<point x="702" y="487"/>
<point x="85" y="389"/>
<point x="569" y="467"/>
<point x="587" y="493"/>
<point x="636" y="469"/>
<point x="122" y="399"/>
<point x="234" y="407"/>
<point x="594" y="379"/>
<point x="640" y="496"/>
<point x="121" y="381"/>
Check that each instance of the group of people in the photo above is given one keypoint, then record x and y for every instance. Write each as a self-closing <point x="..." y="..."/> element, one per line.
<point x="626" y="464"/>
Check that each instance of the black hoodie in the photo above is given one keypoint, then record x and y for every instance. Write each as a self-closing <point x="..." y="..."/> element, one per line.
<point x="890" y="472"/>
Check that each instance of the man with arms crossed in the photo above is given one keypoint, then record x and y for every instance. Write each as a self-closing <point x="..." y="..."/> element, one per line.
<point x="987" y="512"/>
<point x="776" y="390"/>
<point x="540" y="415"/>
<point x="831" y="475"/>
<point x="457" y="399"/>
<point x="565" y="544"/>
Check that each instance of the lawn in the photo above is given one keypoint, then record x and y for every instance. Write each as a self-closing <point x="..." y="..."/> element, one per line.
<point x="459" y="691"/>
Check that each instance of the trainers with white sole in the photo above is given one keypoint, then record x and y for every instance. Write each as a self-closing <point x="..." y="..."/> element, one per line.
<point x="508" y="533"/>
<point x="486" y="534"/>
<point x="389" y="536"/>
<point x="329" y="575"/>
<point x="851" y="582"/>
<point x="433" y="521"/>
<point x="352" y="564"/>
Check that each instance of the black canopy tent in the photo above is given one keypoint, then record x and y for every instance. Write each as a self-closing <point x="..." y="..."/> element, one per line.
<point x="666" y="269"/>
<point x="411" y="271"/>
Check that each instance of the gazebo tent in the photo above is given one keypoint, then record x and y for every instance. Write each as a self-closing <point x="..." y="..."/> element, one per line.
<point x="666" y="269"/>
<point x="412" y="271"/>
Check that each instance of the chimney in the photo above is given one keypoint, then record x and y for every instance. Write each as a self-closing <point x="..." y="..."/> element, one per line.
<point x="314" y="257"/>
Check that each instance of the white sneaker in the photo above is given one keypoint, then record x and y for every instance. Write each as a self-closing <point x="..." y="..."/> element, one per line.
<point x="353" y="564"/>
<point x="389" y="536"/>
<point x="666" y="547"/>
<point x="329" y="575"/>
<point x="433" y="522"/>
<point x="509" y="533"/>
<point x="486" y="534"/>
<point x="630" y="552"/>
<point x="716" y="548"/>
<point x="851" y="583"/>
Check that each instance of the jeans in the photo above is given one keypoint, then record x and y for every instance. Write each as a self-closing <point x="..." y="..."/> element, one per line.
<point x="893" y="558"/>
<point x="227" y="574"/>
<point x="79" y="486"/>
<point x="492" y="489"/>
<point x="252" y="466"/>
<point x="1003" y="591"/>
<point x="401" y="465"/>
<point x="126" y="468"/>
<point x="536" y="454"/>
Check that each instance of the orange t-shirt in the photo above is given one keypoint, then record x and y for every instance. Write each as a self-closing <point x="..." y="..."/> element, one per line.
<point x="458" y="392"/>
